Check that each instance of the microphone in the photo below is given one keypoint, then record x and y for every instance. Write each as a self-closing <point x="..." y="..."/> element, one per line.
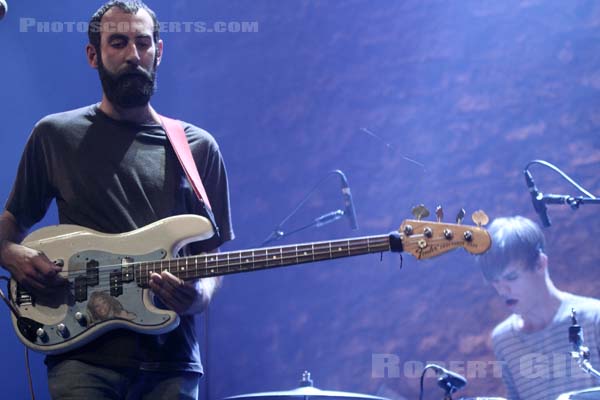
<point x="349" y="210"/>
<point x="451" y="381"/>
<point x="3" y="8"/>
<point x="328" y="218"/>
<point x="537" y="199"/>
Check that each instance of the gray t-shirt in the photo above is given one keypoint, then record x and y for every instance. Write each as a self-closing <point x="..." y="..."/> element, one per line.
<point x="113" y="177"/>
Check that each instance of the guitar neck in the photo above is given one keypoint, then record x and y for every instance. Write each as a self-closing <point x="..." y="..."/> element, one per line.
<point x="214" y="264"/>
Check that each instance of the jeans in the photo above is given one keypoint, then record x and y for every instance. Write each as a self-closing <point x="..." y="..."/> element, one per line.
<point x="75" y="380"/>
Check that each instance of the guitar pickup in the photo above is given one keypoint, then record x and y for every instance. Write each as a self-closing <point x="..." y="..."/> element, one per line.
<point x="80" y="288"/>
<point x="92" y="274"/>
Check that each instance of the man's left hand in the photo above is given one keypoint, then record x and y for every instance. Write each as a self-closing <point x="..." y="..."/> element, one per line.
<point x="176" y="294"/>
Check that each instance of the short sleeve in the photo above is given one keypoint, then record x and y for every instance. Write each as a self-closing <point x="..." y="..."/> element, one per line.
<point x="32" y="190"/>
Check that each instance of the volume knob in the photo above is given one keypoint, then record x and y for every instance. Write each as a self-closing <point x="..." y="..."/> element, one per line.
<point x="62" y="330"/>
<point x="79" y="317"/>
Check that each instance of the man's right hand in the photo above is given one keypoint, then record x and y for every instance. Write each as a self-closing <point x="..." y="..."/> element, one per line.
<point x="31" y="268"/>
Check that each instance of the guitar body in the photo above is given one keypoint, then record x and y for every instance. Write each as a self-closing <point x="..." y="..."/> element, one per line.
<point x="103" y="293"/>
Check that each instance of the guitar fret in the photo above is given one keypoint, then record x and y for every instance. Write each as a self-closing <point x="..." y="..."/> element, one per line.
<point x="224" y="263"/>
<point x="211" y="267"/>
<point x="245" y="259"/>
<point x="217" y="266"/>
<point x="261" y="260"/>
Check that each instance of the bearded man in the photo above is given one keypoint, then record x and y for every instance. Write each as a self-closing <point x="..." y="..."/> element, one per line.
<point x="111" y="168"/>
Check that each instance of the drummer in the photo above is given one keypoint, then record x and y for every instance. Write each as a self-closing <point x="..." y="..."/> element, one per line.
<point x="532" y="343"/>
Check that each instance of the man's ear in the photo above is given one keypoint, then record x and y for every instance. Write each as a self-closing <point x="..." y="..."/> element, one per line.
<point x="159" y="51"/>
<point x="542" y="262"/>
<point x="92" y="55"/>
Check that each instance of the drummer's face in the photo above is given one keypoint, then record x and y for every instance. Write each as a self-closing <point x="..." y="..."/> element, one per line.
<point x="519" y="287"/>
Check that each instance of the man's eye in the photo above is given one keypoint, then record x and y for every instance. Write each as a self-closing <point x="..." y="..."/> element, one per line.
<point x="118" y="44"/>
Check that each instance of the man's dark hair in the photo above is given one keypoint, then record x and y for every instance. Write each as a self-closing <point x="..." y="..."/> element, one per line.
<point x="513" y="239"/>
<point x="128" y="6"/>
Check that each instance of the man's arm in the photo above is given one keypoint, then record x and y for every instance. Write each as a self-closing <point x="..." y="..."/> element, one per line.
<point x="507" y="376"/>
<point x="29" y="267"/>
<point x="509" y="383"/>
<point x="194" y="296"/>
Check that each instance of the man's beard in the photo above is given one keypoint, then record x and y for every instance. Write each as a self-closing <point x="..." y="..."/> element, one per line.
<point x="130" y="88"/>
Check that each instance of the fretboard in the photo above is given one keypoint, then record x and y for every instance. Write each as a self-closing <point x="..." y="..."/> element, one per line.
<point x="215" y="264"/>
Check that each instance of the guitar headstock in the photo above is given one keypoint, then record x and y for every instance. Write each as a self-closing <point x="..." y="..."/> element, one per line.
<point x="428" y="239"/>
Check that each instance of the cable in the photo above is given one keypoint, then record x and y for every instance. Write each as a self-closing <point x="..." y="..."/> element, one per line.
<point x="17" y="315"/>
<point x="28" y="370"/>
<point x="561" y="173"/>
<point x="206" y="354"/>
<point x="422" y="377"/>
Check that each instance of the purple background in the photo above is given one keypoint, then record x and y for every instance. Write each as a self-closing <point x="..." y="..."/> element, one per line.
<point x="470" y="90"/>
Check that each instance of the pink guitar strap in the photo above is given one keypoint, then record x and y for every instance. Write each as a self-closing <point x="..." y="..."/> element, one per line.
<point x="176" y="136"/>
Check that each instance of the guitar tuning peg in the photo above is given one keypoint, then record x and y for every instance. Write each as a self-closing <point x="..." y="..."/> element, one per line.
<point x="480" y="218"/>
<point x="460" y="216"/>
<point x="420" y="211"/>
<point x="439" y="213"/>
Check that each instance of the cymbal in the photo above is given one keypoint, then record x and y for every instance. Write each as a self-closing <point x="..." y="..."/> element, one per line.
<point x="586" y="394"/>
<point x="306" y="392"/>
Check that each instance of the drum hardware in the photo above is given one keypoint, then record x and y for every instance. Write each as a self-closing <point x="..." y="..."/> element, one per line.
<point x="306" y="391"/>
<point x="580" y="352"/>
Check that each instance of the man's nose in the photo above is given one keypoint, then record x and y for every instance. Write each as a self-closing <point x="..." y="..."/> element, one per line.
<point x="502" y="288"/>
<point x="133" y="55"/>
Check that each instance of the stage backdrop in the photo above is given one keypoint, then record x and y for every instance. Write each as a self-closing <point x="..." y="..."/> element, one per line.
<point x="416" y="101"/>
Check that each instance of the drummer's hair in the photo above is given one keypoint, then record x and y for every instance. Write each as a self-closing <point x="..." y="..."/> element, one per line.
<point x="514" y="239"/>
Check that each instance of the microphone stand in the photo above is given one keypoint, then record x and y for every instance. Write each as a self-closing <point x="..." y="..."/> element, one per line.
<point x="324" y="219"/>
<point x="317" y="222"/>
<point x="573" y="202"/>
<point x="540" y="200"/>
